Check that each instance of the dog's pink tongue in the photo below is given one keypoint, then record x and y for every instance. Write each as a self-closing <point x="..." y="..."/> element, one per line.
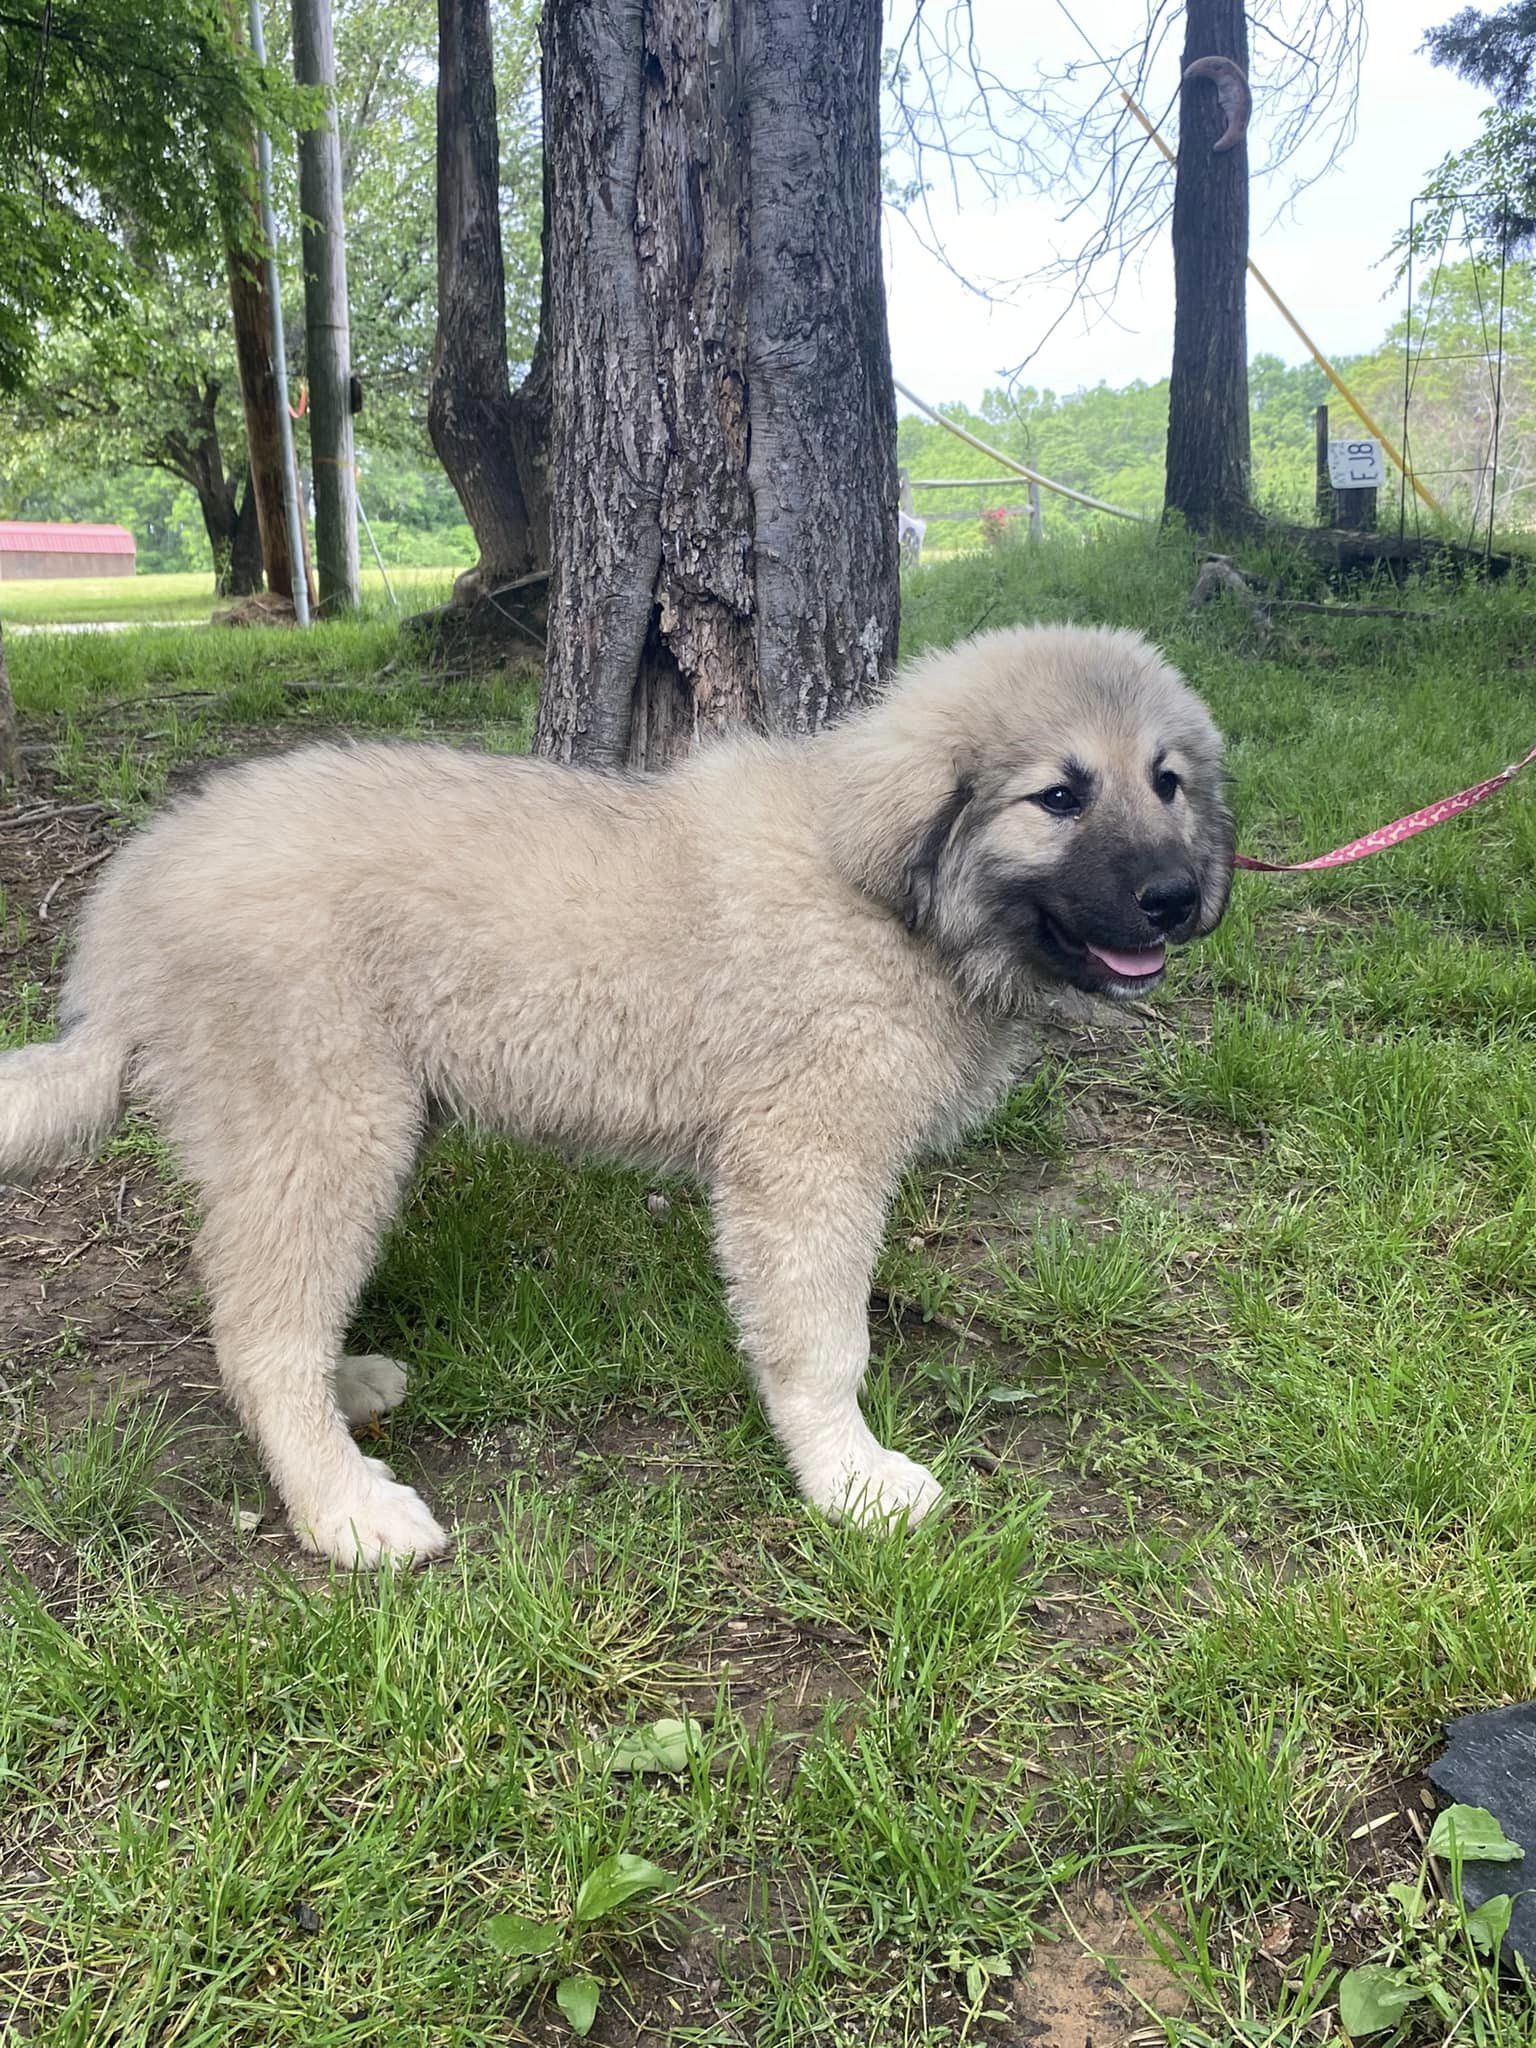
<point x="1131" y="966"/>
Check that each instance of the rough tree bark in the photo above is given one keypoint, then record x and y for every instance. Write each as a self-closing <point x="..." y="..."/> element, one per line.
<point x="258" y="393"/>
<point x="722" y="455"/>
<point x="490" y="443"/>
<point x="1208" y="453"/>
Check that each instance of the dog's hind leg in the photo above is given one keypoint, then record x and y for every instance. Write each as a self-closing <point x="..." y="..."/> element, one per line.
<point x="368" y="1385"/>
<point x="298" y="1193"/>
<point x="797" y="1237"/>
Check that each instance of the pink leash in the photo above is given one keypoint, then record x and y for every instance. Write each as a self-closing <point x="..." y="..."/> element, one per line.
<point x="1395" y="833"/>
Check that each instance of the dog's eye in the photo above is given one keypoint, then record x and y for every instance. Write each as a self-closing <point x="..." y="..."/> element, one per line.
<point x="1166" y="783"/>
<point x="1060" y="801"/>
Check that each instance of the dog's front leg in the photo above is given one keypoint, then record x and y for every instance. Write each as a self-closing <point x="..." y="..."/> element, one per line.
<point x="797" y="1236"/>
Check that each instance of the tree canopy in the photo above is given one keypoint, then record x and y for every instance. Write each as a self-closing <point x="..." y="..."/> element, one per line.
<point x="119" y="127"/>
<point x="138" y="374"/>
<point x="1490" y="185"/>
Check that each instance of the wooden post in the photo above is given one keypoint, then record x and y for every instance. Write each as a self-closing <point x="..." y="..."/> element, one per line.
<point x="326" y="323"/>
<point x="1036" y="523"/>
<point x="904" y="493"/>
<point x="1357" y="509"/>
<point x="1353" y="510"/>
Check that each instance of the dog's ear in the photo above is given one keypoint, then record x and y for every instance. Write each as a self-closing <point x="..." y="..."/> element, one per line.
<point x="1215" y="845"/>
<point x="919" y="877"/>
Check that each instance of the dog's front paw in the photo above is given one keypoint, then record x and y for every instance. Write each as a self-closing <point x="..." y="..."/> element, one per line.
<point x="381" y="1522"/>
<point x="368" y="1385"/>
<point x="880" y="1487"/>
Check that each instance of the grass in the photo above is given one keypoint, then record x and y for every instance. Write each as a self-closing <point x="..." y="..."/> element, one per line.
<point x="96" y="1482"/>
<point x="1221" y="1339"/>
<point x="176" y="599"/>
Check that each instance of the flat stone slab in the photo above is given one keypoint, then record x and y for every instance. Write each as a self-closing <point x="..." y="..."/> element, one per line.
<point x="1490" y="1761"/>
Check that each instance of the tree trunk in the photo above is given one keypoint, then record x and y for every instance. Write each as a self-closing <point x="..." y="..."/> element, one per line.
<point x="489" y="443"/>
<point x="722" y="463"/>
<point x="258" y="391"/>
<point x="192" y="453"/>
<point x="217" y="505"/>
<point x="328" y="344"/>
<point x="13" y="774"/>
<point x="245" y="546"/>
<point x="1208" y="460"/>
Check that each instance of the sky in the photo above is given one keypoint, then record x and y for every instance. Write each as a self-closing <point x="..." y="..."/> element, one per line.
<point x="1323" y="254"/>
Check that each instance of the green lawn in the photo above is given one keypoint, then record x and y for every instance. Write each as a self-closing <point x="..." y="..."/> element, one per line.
<point x="1221" y="1336"/>
<point x="161" y="600"/>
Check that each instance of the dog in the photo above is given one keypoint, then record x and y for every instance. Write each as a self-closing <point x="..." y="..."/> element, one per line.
<point x="787" y="967"/>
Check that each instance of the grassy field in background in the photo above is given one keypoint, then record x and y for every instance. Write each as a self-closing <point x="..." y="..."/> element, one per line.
<point x="117" y="600"/>
<point x="1220" y="1336"/>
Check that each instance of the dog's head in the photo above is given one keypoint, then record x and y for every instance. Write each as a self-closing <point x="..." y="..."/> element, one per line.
<point x="1075" y="825"/>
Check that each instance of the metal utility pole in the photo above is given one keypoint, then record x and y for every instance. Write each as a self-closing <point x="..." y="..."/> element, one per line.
<point x="279" y="361"/>
<point x="326" y="327"/>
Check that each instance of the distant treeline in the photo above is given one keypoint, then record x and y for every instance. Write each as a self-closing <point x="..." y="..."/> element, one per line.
<point x="1107" y="442"/>
<point x="1110" y="443"/>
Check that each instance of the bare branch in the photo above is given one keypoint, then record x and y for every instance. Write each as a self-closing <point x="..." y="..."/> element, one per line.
<point x="955" y="125"/>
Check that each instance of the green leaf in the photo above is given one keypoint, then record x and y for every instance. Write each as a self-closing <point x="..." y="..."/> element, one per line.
<point x="1374" y="1998"/>
<point x="515" y="1936"/>
<point x="1490" y="1923"/>
<point x="665" y="1745"/>
<point x="577" y="1999"/>
<point x="1411" y="1899"/>
<point x="1477" y="1835"/>
<point x="615" y="1880"/>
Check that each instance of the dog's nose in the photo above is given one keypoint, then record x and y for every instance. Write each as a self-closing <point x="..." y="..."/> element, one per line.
<point x="1170" y="900"/>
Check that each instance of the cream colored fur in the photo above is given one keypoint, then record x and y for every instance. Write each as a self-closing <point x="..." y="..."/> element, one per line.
<point x="786" y="967"/>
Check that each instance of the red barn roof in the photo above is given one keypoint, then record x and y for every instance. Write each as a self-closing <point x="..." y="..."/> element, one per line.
<point x="54" y="537"/>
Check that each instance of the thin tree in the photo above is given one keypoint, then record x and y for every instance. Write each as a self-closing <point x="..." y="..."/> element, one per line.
<point x="250" y="298"/>
<point x="251" y="308"/>
<point x="722" y="452"/>
<point x="1074" y="135"/>
<point x="1207" y="478"/>
<point x="491" y="444"/>
<point x="328" y="347"/>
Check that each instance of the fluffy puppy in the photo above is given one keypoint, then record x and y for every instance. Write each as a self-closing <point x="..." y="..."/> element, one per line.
<point x="786" y="967"/>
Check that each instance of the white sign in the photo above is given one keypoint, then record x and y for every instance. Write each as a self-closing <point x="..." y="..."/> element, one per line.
<point x="1355" y="465"/>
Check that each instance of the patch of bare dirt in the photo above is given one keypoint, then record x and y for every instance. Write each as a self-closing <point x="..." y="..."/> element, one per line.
<point x="1386" y="1829"/>
<point x="1092" y="1982"/>
<point x="779" y="1669"/>
<point x="93" y="1260"/>
<point x="264" y="609"/>
<point x="49" y="849"/>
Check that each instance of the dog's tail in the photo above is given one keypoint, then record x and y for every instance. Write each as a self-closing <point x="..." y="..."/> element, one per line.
<point x="58" y="1100"/>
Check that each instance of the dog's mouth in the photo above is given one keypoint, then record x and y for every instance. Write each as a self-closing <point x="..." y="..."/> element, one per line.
<point x="1102" y="970"/>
